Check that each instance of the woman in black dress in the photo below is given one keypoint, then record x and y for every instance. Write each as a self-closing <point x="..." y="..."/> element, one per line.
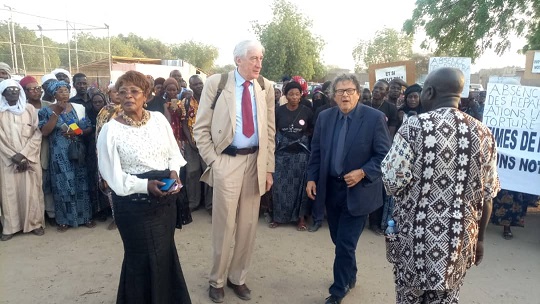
<point x="293" y="128"/>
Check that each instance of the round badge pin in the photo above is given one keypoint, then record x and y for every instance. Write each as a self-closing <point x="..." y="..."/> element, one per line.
<point x="301" y="122"/>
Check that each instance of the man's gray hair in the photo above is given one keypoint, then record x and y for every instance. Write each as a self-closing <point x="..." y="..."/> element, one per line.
<point x="345" y="77"/>
<point x="242" y="48"/>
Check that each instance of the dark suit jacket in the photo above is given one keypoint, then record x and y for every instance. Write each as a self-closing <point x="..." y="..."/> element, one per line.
<point x="366" y="145"/>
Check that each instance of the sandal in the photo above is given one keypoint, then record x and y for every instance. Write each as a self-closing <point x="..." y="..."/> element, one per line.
<point x="273" y="225"/>
<point x="301" y="227"/>
<point x="507" y="235"/>
<point x="90" y="224"/>
<point x="62" y="228"/>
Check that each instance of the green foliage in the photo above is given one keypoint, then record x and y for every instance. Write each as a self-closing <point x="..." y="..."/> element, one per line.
<point x="388" y="45"/>
<point x="290" y="47"/>
<point x="222" y="69"/>
<point x="86" y="48"/>
<point x="467" y="28"/>
<point x="198" y="54"/>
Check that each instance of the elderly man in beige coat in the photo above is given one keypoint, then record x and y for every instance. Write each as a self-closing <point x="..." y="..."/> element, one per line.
<point x="234" y="132"/>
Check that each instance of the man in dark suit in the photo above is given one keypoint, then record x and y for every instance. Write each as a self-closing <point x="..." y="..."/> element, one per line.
<point x="344" y="172"/>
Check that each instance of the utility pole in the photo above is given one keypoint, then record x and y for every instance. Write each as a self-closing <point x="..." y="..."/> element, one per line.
<point x="110" y="55"/>
<point x="12" y="40"/>
<point x="42" y="49"/>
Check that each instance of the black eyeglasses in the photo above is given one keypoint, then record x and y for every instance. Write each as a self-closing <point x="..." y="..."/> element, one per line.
<point x="13" y="89"/>
<point x="35" y="89"/>
<point x="349" y="92"/>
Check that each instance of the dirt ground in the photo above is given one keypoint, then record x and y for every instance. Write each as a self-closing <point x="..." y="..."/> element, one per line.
<point x="83" y="266"/>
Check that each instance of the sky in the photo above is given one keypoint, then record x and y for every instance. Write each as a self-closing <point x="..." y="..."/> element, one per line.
<point x="340" y="23"/>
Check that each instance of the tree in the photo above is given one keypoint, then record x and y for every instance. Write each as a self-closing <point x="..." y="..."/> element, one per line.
<point x="421" y="62"/>
<point x="467" y="28"/>
<point x="198" y="54"/>
<point x="388" y="45"/>
<point x="222" y="69"/>
<point x="291" y="48"/>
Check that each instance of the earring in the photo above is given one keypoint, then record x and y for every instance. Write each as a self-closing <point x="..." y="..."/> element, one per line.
<point x="145" y="105"/>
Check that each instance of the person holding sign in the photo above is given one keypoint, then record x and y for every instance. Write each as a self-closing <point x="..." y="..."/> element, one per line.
<point x="442" y="171"/>
<point x="510" y="209"/>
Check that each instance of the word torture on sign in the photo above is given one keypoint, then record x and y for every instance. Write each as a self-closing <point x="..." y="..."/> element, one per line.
<point x="512" y="112"/>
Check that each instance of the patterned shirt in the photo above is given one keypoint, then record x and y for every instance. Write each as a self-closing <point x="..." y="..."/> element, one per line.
<point x="441" y="168"/>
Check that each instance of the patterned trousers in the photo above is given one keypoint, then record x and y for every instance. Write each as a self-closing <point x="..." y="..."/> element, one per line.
<point x="408" y="295"/>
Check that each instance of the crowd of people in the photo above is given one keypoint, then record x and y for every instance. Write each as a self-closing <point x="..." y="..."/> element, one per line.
<point x="148" y="152"/>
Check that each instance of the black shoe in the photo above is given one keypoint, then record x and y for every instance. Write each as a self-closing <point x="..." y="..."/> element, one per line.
<point x="333" y="300"/>
<point x="241" y="291"/>
<point x="216" y="294"/>
<point x="315" y="226"/>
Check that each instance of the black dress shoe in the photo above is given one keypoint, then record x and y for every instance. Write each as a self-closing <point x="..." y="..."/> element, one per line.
<point x="216" y="294"/>
<point x="315" y="226"/>
<point x="242" y="291"/>
<point x="333" y="300"/>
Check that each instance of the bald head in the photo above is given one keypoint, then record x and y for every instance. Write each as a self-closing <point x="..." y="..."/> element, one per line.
<point x="442" y="88"/>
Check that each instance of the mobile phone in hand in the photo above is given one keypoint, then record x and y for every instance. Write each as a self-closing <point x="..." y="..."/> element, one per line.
<point x="169" y="182"/>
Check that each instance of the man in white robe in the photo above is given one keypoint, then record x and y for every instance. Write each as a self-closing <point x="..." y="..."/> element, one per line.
<point x="22" y="206"/>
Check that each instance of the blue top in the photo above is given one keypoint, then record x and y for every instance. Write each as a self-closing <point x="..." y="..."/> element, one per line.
<point x="240" y="140"/>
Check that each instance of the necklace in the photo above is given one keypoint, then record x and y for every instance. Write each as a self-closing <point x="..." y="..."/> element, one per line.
<point x="380" y="105"/>
<point x="133" y="123"/>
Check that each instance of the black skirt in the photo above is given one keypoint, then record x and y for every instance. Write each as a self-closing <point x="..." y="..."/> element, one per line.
<point x="151" y="271"/>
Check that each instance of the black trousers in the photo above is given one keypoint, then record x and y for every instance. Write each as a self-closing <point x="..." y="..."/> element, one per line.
<point x="345" y="231"/>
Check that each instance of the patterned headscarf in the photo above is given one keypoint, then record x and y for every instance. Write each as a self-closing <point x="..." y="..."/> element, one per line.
<point x="302" y="83"/>
<point x="20" y="107"/>
<point x="55" y="85"/>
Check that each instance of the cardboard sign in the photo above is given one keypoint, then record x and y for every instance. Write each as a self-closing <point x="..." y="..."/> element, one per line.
<point x="536" y="63"/>
<point x="392" y="72"/>
<point x="461" y="63"/>
<point x="512" y="112"/>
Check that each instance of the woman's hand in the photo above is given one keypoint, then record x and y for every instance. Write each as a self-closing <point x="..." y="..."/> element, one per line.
<point x="175" y="188"/>
<point x="69" y="134"/>
<point x="153" y="188"/>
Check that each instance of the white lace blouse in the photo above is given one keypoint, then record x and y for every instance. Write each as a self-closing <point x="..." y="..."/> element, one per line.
<point x="124" y="151"/>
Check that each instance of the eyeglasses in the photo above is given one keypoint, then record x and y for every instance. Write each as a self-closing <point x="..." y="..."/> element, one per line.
<point x="13" y="89"/>
<point x="349" y="92"/>
<point x="35" y="89"/>
<point x="132" y="92"/>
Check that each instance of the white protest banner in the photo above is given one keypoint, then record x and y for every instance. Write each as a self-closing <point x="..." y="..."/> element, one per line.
<point x="505" y="79"/>
<point x="461" y="63"/>
<point x="391" y="73"/>
<point x="536" y="63"/>
<point x="512" y="112"/>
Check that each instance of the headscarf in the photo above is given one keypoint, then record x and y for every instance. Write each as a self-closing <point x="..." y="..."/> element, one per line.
<point x="302" y="83"/>
<point x="4" y="66"/>
<point x="27" y="80"/>
<point x="46" y="77"/>
<point x="55" y="85"/>
<point x="65" y="72"/>
<point x="20" y="107"/>
<point x="169" y="81"/>
<point x="415" y="88"/>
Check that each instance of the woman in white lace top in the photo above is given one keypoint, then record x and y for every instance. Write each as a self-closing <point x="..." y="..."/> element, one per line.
<point x="137" y="150"/>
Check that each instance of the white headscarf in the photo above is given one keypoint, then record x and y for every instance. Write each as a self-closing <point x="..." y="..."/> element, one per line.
<point x="47" y="77"/>
<point x="20" y="107"/>
<point x="73" y="91"/>
<point x="65" y="72"/>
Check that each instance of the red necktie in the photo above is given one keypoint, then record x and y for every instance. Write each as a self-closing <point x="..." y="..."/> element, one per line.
<point x="247" y="113"/>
